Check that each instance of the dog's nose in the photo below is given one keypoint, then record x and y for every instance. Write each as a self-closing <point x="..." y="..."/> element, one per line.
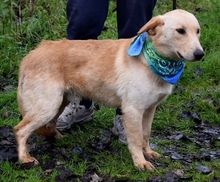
<point x="198" y="54"/>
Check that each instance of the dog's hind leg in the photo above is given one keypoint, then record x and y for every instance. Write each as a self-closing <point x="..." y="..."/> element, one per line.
<point x="21" y="135"/>
<point x="35" y="116"/>
<point x="50" y="128"/>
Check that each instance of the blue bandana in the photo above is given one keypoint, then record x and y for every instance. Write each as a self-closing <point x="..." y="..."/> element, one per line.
<point x="137" y="45"/>
<point x="169" y="70"/>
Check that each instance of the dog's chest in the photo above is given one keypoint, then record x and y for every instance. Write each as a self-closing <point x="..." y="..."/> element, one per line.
<point x="148" y="90"/>
<point x="161" y="96"/>
<point x="155" y="94"/>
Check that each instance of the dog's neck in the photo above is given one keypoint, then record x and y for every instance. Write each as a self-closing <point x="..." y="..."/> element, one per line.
<point x="169" y="70"/>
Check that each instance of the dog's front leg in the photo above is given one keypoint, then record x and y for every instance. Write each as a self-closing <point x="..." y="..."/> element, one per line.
<point x="132" y="118"/>
<point x="147" y="123"/>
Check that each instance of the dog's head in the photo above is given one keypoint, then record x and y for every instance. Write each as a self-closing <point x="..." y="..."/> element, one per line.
<point x="175" y="35"/>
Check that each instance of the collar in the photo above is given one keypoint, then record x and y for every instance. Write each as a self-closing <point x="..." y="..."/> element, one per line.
<point x="168" y="70"/>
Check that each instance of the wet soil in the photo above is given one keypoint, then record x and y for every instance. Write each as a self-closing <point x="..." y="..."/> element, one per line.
<point x="204" y="137"/>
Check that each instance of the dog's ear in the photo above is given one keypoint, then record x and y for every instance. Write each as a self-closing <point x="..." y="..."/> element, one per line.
<point x="150" y="27"/>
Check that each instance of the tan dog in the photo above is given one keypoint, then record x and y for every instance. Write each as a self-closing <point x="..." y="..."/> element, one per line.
<point x="101" y="70"/>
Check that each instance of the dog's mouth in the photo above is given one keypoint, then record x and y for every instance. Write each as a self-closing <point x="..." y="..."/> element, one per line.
<point x="179" y="55"/>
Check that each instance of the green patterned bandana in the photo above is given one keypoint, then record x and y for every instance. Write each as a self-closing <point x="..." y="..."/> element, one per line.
<point x="169" y="70"/>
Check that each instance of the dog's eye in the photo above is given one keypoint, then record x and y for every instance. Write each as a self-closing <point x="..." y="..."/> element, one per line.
<point x="181" y="31"/>
<point x="198" y="31"/>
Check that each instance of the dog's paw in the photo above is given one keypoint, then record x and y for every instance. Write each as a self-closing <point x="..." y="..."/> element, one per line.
<point x="58" y="135"/>
<point x="150" y="154"/>
<point x="145" y="165"/>
<point x="30" y="160"/>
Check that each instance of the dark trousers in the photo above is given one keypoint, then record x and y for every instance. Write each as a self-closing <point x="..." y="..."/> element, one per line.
<point x="87" y="17"/>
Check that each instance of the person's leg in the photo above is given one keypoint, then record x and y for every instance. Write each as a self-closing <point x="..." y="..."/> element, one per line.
<point x="131" y="16"/>
<point x="85" y="21"/>
<point x="86" y="18"/>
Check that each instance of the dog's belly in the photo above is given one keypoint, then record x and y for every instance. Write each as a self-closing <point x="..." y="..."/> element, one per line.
<point x="101" y="94"/>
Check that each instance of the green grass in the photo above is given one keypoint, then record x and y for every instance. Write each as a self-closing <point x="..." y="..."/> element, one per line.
<point x="48" y="21"/>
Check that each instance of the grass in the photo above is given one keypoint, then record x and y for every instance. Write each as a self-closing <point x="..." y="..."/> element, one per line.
<point x="43" y="20"/>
